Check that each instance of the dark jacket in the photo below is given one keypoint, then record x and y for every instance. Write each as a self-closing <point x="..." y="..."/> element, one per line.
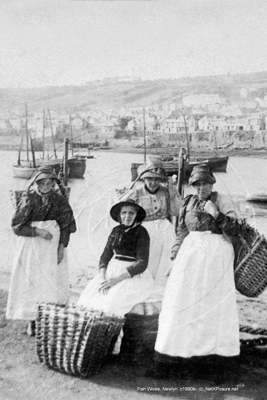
<point x="35" y="207"/>
<point x="131" y="242"/>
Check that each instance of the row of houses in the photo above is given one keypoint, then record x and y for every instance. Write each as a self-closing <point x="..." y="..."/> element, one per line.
<point x="255" y="121"/>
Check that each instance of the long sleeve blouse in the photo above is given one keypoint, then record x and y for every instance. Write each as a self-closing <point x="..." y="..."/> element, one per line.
<point x="194" y="218"/>
<point x="36" y="207"/>
<point x="129" y="242"/>
<point x="163" y="203"/>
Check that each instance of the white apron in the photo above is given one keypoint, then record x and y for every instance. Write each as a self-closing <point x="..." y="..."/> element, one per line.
<point x="121" y="298"/>
<point x="199" y="313"/>
<point x="36" y="275"/>
<point x="162" y="236"/>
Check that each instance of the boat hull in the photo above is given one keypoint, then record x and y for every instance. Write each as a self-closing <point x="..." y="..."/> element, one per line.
<point x="217" y="164"/>
<point x="23" y="172"/>
<point x="257" y="198"/>
<point x="55" y="164"/>
<point x="77" y="167"/>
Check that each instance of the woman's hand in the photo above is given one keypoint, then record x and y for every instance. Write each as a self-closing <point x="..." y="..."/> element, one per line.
<point x="211" y="208"/>
<point x="60" y="253"/>
<point x="107" y="284"/>
<point x="43" y="233"/>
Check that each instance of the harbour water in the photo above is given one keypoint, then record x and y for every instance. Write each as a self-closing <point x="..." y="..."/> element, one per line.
<point x="92" y="196"/>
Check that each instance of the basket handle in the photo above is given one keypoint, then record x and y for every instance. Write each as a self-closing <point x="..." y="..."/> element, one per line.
<point x="243" y="241"/>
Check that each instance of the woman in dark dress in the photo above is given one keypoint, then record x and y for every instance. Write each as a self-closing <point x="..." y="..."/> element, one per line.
<point x="123" y="280"/>
<point x="43" y="222"/>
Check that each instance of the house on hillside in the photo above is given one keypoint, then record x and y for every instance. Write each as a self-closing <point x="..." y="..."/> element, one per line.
<point x="204" y="124"/>
<point x="256" y="122"/>
<point x="175" y="125"/>
<point x="196" y="100"/>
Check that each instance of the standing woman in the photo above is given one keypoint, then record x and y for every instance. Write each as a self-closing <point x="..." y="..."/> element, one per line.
<point x="160" y="202"/>
<point x="199" y="312"/>
<point x="43" y="222"/>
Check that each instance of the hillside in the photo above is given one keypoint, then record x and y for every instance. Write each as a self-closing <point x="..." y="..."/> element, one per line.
<point x="111" y="94"/>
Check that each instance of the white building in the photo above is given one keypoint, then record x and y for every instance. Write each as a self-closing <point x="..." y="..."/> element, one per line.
<point x="196" y="100"/>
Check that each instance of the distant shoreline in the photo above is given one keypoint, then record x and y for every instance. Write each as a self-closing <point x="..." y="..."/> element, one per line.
<point x="195" y="152"/>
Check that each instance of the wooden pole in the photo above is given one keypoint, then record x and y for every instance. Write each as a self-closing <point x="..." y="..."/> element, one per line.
<point x="144" y="136"/>
<point x="180" y="176"/>
<point x="186" y="132"/>
<point x="52" y="133"/>
<point x="71" y="137"/>
<point x="26" y="127"/>
<point x="33" y="155"/>
<point x="43" y="133"/>
<point x="65" y="165"/>
<point x="20" y="148"/>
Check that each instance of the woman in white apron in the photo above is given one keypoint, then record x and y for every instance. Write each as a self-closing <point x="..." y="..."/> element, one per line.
<point x="199" y="312"/>
<point x="123" y="280"/>
<point x="160" y="202"/>
<point x="43" y="222"/>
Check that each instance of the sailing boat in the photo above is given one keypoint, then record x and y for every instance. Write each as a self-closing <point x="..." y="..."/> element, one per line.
<point x="76" y="164"/>
<point x="54" y="163"/>
<point x="25" y="168"/>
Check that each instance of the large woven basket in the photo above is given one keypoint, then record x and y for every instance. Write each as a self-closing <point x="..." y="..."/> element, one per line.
<point x="250" y="262"/>
<point x="140" y="329"/>
<point x="74" y="339"/>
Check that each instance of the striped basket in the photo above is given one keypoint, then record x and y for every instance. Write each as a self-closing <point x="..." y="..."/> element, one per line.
<point x="74" y="339"/>
<point x="250" y="262"/>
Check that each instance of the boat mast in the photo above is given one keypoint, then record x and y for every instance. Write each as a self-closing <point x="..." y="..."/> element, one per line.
<point x="214" y="135"/>
<point x="43" y="133"/>
<point x="26" y="128"/>
<point x="52" y="133"/>
<point x="20" y="148"/>
<point x="33" y="155"/>
<point x="186" y="131"/>
<point x="71" y="137"/>
<point x="144" y="135"/>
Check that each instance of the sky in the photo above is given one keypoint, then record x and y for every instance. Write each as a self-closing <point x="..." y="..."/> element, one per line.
<point x="71" y="42"/>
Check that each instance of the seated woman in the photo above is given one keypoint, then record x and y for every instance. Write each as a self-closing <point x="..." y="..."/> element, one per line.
<point x="199" y="312"/>
<point x="123" y="280"/>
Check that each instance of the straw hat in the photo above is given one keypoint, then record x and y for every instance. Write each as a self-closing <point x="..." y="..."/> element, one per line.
<point x="201" y="172"/>
<point x="154" y="170"/>
<point x="116" y="209"/>
<point x="46" y="173"/>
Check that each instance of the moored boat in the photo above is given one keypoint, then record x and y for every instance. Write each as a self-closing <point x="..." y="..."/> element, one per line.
<point x="24" y="172"/>
<point x="217" y="164"/>
<point x="77" y="167"/>
<point x="257" y="197"/>
<point x="52" y="163"/>
<point x="46" y="159"/>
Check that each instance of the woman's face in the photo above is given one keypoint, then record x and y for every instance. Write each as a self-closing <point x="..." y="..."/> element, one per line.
<point x="45" y="185"/>
<point x="152" y="183"/>
<point x="128" y="215"/>
<point x="203" y="189"/>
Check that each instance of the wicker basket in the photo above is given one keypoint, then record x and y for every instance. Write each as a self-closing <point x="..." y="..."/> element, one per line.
<point x="74" y="339"/>
<point x="17" y="195"/>
<point x="140" y="329"/>
<point x="250" y="262"/>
